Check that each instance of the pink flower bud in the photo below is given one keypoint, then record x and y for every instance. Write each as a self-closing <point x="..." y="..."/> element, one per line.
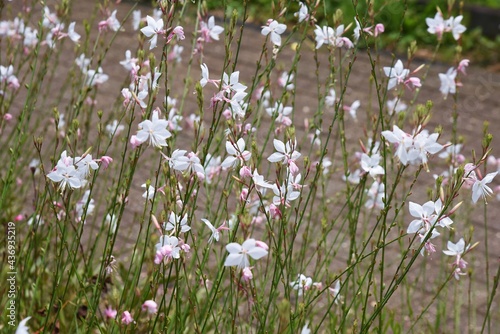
<point x="244" y="194"/>
<point x="379" y="28"/>
<point x="179" y="32"/>
<point x="134" y="141"/>
<point x="246" y="274"/>
<point x="105" y="161"/>
<point x="109" y="313"/>
<point x="460" y="158"/>
<point x="293" y="167"/>
<point x="185" y="248"/>
<point x="274" y="211"/>
<point x="227" y="114"/>
<point x="150" y="306"/>
<point x="492" y="161"/>
<point x="469" y="168"/>
<point x="261" y="244"/>
<point x="462" y="65"/>
<point x="127" y="318"/>
<point x="245" y="172"/>
<point x="19" y="217"/>
<point x="7" y="117"/>
<point x="158" y="257"/>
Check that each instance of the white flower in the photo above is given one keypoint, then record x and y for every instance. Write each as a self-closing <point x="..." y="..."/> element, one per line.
<point x="204" y="75"/>
<point x="330" y="99"/>
<point x="238" y="254"/>
<point x="455" y="26"/>
<point x="285" y="152"/>
<point x="154" y="131"/>
<point x="152" y="30"/>
<point x="284" y="194"/>
<point x="231" y="83"/>
<point x="190" y="163"/>
<point x="480" y="189"/>
<point x="72" y="34"/>
<point x="215" y="233"/>
<point x="128" y="63"/>
<point x="370" y="164"/>
<point x="395" y="106"/>
<point x="209" y="30"/>
<point x="167" y="247"/>
<point x="81" y="204"/>
<point x="335" y="292"/>
<point x="448" y="85"/>
<point x="436" y="25"/>
<point x="136" y="19"/>
<point x="302" y="14"/>
<point x="22" y="328"/>
<point x="95" y="78"/>
<point x="396" y="74"/>
<point x="302" y="283"/>
<point x="275" y="29"/>
<point x="114" y="128"/>
<point x="259" y="181"/>
<point x="66" y="175"/>
<point x="150" y="191"/>
<point x="236" y="153"/>
<point x="455" y="249"/>
<point x="322" y="35"/>
<point x="176" y="223"/>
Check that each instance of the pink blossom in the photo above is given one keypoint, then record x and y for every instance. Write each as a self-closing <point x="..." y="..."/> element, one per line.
<point x="246" y="274"/>
<point x="150" y="306"/>
<point x="379" y="28"/>
<point x="127" y="318"/>
<point x="274" y="211"/>
<point x="462" y="65"/>
<point x="245" y="172"/>
<point x="110" y="313"/>
<point x="105" y="161"/>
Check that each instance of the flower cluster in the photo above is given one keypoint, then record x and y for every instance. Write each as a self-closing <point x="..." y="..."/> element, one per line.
<point x="448" y="79"/>
<point x="437" y="25"/>
<point x="400" y="75"/>
<point x="73" y="172"/>
<point x="428" y="217"/>
<point x="331" y="36"/>
<point x="413" y="149"/>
